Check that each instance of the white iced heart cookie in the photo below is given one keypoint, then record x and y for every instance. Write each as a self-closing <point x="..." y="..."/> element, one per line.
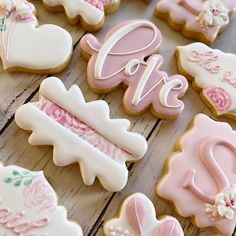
<point x="26" y="47"/>
<point x="100" y="145"/>
<point x="34" y="211"/>
<point x="90" y="13"/>
<point x="138" y="218"/>
<point x="214" y="73"/>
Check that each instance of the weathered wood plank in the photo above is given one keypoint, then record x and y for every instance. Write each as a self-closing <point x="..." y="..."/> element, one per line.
<point x="87" y="204"/>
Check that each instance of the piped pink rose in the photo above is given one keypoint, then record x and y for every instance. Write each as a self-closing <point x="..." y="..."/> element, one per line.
<point x="219" y="98"/>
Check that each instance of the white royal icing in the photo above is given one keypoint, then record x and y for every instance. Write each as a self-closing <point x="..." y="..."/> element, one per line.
<point x="28" y="206"/>
<point x="213" y="13"/>
<point x="212" y="69"/>
<point x="24" y="45"/>
<point x="68" y="148"/>
<point x="113" y="40"/>
<point x="74" y="8"/>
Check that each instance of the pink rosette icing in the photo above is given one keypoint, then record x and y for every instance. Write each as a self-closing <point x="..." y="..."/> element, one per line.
<point x="82" y="130"/>
<point x="98" y="3"/>
<point x="219" y="98"/>
<point x="40" y="195"/>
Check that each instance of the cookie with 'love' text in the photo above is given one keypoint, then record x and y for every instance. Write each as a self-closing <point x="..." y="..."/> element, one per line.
<point x="123" y="60"/>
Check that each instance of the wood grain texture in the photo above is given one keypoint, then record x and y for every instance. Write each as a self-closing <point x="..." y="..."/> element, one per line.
<point x="91" y="206"/>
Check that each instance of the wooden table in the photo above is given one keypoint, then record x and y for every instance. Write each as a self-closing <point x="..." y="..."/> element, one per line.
<point x="91" y="206"/>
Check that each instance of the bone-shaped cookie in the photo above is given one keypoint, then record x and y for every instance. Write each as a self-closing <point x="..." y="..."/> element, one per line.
<point x="122" y="59"/>
<point x="138" y="218"/>
<point x="82" y="132"/>
<point x="28" y="206"/>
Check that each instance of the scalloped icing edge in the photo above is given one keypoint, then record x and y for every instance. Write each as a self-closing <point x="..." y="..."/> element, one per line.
<point x="29" y="117"/>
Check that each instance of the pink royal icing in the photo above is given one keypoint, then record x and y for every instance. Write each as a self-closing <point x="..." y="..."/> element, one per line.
<point x="137" y="218"/>
<point x="169" y="228"/>
<point x="186" y="12"/>
<point x="98" y="3"/>
<point x="82" y="130"/>
<point x="119" y="60"/>
<point x="99" y="144"/>
<point x="206" y="175"/>
<point x="136" y="213"/>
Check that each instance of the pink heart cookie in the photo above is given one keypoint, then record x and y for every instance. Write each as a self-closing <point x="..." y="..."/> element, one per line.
<point x="122" y="59"/>
<point x="201" y="176"/>
<point x="138" y="218"/>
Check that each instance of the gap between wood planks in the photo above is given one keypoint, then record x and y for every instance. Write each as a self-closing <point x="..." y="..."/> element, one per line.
<point x="33" y="94"/>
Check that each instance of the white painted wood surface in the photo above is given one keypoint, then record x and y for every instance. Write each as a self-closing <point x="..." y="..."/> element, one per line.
<point x="91" y="206"/>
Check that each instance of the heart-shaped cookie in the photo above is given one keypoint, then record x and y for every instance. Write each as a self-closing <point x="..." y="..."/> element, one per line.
<point x="138" y="218"/>
<point x="24" y="47"/>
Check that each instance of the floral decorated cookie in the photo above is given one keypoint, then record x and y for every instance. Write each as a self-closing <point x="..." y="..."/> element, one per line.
<point x="201" y="176"/>
<point x="28" y="206"/>
<point x="138" y="218"/>
<point x="99" y="144"/>
<point x="121" y="59"/>
<point x="213" y="72"/>
<point x="199" y="19"/>
<point x="26" y="47"/>
<point x="90" y="13"/>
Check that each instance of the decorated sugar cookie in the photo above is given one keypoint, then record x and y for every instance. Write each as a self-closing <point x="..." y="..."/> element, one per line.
<point x="214" y="73"/>
<point x="82" y="132"/>
<point x="138" y="218"/>
<point x="122" y="59"/>
<point x="90" y="13"/>
<point x="28" y="206"/>
<point x="201" y="176"/>
<point x="26" y="47"/>
<point x="199" y="19"/>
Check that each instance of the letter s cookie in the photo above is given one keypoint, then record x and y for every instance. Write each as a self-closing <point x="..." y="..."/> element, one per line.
<point x="82" y="132"/>
<point x="200" y="179"/>
<point x="122" y="59"/>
